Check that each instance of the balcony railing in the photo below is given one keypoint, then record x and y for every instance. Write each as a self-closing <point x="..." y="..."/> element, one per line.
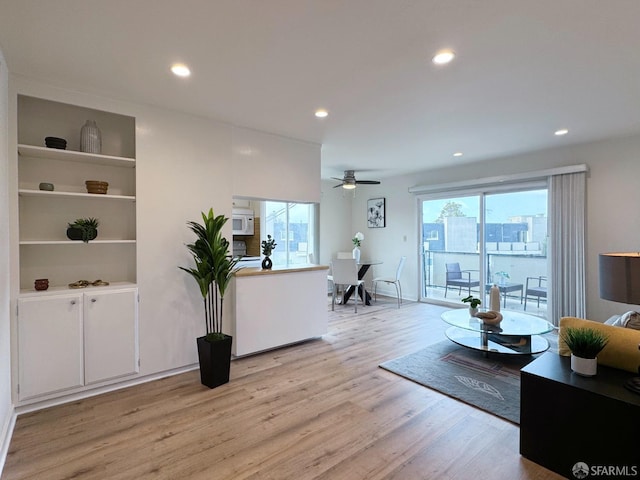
<point x="518" y="265"/>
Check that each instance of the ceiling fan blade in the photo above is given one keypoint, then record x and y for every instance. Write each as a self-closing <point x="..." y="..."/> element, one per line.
<point x="339" y="185"/>
<point x="339" y="179"/>
<point x="368" y="182"/>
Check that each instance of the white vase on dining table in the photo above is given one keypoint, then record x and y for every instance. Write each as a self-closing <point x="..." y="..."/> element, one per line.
<point x="356" y="254"/>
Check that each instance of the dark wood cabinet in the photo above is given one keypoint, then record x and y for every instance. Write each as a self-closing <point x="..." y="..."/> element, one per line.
<point x="566" y="419"/>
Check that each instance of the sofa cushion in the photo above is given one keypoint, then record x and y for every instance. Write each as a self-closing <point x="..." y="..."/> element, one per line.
<point x="621" y="350"/>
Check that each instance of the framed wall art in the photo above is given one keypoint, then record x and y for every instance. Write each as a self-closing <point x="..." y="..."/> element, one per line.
<point x="375" y="213"/>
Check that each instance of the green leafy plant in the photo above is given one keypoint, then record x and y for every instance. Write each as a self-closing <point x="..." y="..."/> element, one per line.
<point x="268" y="246"/>
<point x="88" y="227"/>
<point x="584" y="342"/>
<point x="357" y="239"/>
<point x="472" y="301"/>
<point x="503" y="274"/>
<point x="213" y="269"/>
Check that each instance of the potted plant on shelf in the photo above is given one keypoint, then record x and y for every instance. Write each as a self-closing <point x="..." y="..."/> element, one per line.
<point x="213" y="270"/>
<point x="84" y="229"/>
<point x="585" y="344"/>
<point x="473" y="304"/>
<point x="267" y="249"/>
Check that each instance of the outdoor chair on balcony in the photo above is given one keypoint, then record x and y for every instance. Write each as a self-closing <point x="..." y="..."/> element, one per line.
<point x="459" y="278"/>
<point x="535" y="289"/>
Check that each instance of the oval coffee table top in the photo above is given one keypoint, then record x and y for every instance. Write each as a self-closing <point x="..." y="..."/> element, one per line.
<point x="513" y="323"/>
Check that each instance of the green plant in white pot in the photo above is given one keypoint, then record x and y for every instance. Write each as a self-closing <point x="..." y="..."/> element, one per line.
<point x="585" y="345"/>
<point x="474" y="303"/>
<point x="213" y="270"/>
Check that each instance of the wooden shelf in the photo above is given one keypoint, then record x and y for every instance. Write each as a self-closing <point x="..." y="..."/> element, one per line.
<point x="73" y="242"/>
<point x="73" y="156"/>
<point x="57" y="289"/>
<point x="44" y="193"/>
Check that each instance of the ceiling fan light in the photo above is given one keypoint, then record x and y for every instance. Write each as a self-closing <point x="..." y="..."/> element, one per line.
<point x="348" y="185"/>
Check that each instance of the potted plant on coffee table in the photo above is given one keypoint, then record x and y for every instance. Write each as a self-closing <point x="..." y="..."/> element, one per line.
<point x="213" y="270"/>
<point x="474" y="303"/>
<point x="585" y="344"/>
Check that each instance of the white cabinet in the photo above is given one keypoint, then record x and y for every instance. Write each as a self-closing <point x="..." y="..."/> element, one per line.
<point x="50" y="347"/>
<point x="68" y="341"/>
<point x="110" y="335"/>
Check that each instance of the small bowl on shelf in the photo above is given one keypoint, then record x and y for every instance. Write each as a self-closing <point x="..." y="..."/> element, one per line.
<point x="46" y="186"/>
<point x="55" y="142"/>
<point x="97" y="187"/>
<point x="41" y="284"/>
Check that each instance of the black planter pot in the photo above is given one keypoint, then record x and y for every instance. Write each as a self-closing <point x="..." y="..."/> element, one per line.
<point x="76" y="234"/>
<point x="215" y="361"/>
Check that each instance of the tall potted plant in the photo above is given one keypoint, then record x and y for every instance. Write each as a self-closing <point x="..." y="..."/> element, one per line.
<point x="213" y="270"/>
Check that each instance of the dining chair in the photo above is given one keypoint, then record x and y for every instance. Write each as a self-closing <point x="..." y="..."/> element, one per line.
<point x="343" y="255"/>
<point x="395" y="281"/>
<point x="344" y="271"/>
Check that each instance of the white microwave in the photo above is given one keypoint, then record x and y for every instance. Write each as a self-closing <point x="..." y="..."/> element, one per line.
<point x="242" y="219"/>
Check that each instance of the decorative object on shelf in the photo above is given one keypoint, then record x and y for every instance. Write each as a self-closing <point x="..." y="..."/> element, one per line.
<point x="46" y="186"/>
<point x="267" y="248"/>
<point x="213" y="270"/>
<point x="376" y="213"/>
<point x="357" y="239"/>
<point x="502" y="277"/>
<point x="41" y="284"/>
<point x="585" y="344"/>
<point x="87" y="283"/>
<point x="90" y="138"/>
<point x="55" y="142"/>
<point x="97" y="187"/>
<point x="490" y="317"/>
<point x="494" y="298"/>
<point x="474" y="303"/>
<point x="84" y="229"/>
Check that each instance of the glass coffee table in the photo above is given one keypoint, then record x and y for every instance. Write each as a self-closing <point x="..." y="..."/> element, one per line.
<point x="517" y="334"/>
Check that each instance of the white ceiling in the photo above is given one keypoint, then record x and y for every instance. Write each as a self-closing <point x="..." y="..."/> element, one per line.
<point x="524" y="68"/>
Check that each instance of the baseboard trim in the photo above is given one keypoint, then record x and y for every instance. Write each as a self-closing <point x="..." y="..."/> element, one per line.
<point x="32" y="405"/>
<point x="6" y="434"/>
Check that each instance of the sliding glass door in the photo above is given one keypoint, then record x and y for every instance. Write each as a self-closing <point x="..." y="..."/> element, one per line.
<point x="471" y="242"/>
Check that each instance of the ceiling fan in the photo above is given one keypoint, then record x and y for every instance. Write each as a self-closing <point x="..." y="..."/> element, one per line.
<point x="349" y="181"/>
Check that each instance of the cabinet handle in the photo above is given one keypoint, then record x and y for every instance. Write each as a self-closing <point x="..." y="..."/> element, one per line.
<point x="73" y="302"/>
<point x="93" y="300"/>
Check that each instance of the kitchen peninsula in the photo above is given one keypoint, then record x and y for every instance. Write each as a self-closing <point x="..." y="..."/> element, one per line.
<point x="273" y="308"/>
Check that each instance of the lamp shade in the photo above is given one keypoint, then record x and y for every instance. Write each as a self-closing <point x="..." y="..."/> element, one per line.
<point x="620" y="277"/>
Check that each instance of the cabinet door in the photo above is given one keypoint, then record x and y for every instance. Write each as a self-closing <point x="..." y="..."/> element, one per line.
<point x="49" y="344"/>
<point x="110" y="334"/>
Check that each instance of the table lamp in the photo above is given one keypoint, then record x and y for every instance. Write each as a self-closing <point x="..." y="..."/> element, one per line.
<point x="620" y="282"/>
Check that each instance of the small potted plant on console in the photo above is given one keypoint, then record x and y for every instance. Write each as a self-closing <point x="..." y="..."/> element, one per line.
<point x="585" y="344"/>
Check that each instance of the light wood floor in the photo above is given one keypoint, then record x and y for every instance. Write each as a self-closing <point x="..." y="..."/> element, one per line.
<point x="320" y="410"/>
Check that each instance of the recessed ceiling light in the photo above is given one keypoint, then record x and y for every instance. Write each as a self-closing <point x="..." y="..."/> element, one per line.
<point x="321" y="113"/>
<point x="562" y="131"/>
<point x="180" y="69"/>
<point x="457" y="154"/>
<point x="443" y="56"/>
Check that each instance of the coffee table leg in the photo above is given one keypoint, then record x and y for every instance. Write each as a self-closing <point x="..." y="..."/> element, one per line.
<point x="484" y="342"/>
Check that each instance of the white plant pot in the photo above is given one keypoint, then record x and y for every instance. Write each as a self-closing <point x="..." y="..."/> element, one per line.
<point x="356" y="254"/>
<point x="473" y="311"/>
<point x="587" y="367"/>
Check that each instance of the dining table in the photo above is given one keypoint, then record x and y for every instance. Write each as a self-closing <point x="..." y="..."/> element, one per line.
<point x="363" y="267"/>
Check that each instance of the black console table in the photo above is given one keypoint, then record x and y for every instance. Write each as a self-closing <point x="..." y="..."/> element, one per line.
<point x="566" y="419"/>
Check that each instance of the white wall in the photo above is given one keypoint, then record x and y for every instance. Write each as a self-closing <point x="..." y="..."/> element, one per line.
<point x="6" y="406"/>
<point x="271" y="167"/>
<point x="613" y="223"/>
<point x="335" y="221"/>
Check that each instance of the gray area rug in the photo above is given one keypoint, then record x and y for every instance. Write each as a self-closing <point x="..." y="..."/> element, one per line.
<point x="490" y="383"/>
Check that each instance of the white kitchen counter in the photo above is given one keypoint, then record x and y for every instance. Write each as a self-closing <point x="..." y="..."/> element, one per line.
<point x="273" y="308"/>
